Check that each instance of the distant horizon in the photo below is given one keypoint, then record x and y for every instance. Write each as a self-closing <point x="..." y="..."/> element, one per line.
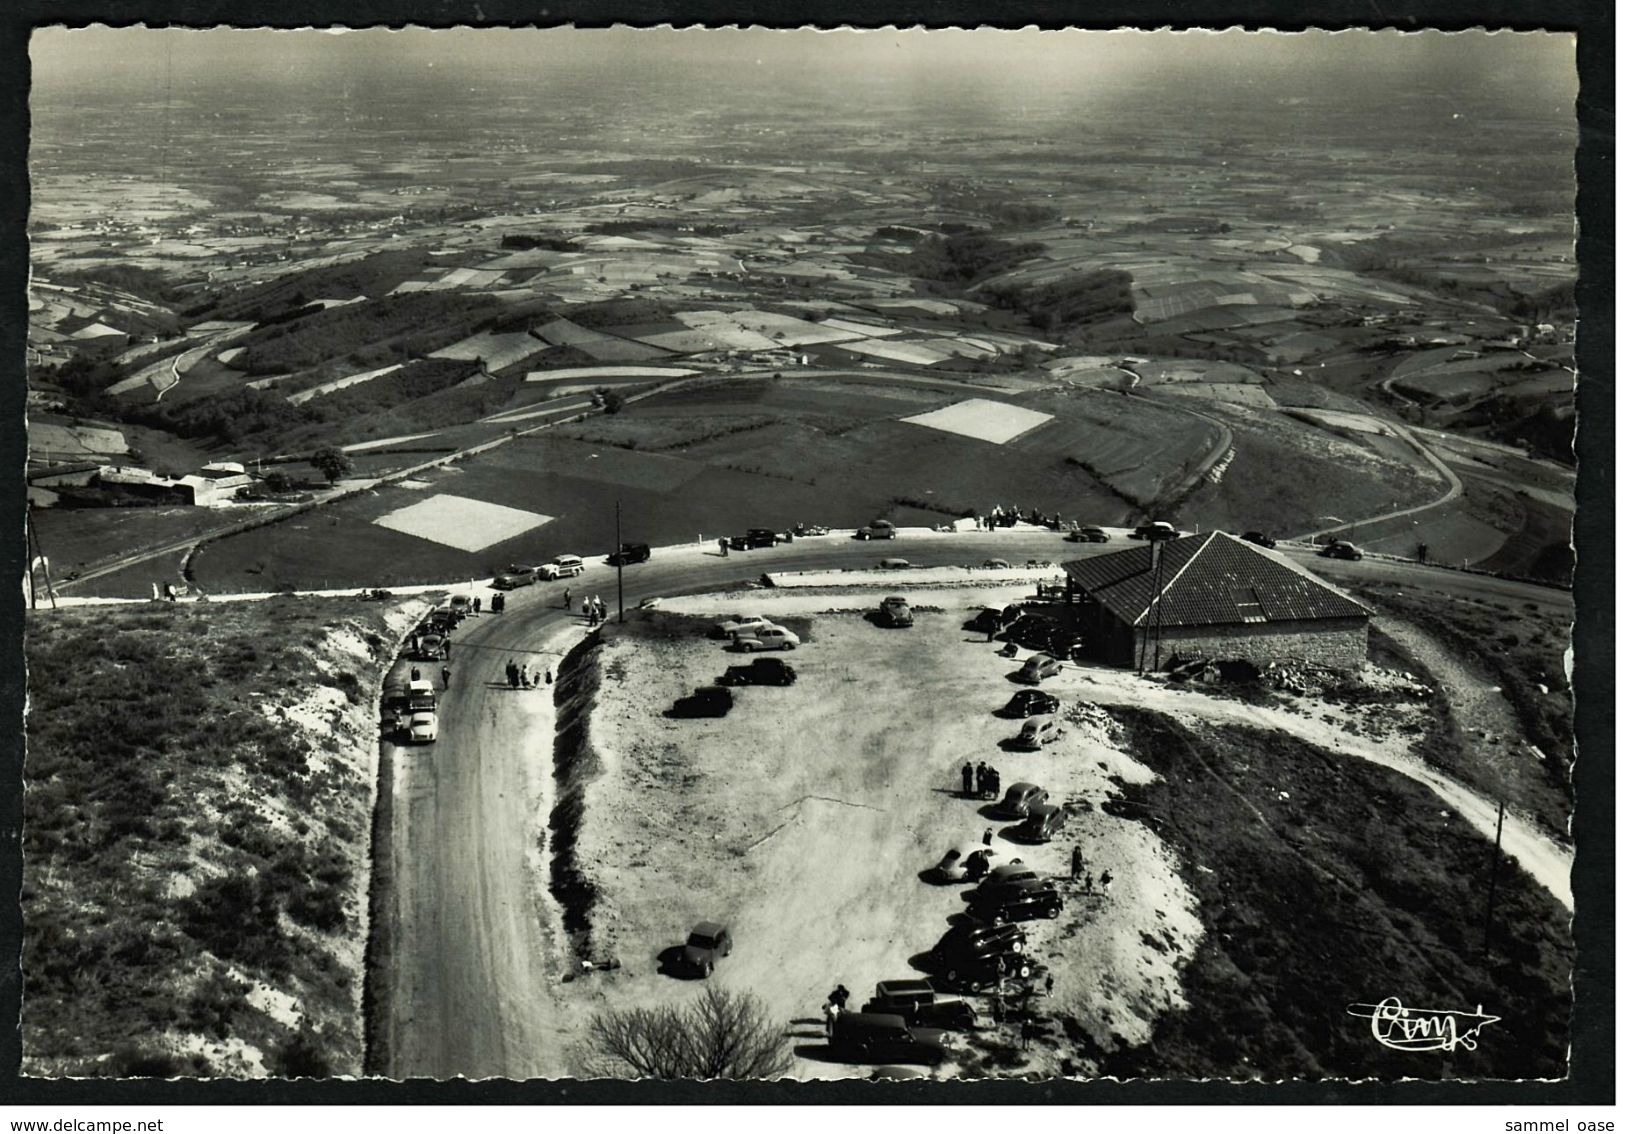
<point x="1538" y="65"/>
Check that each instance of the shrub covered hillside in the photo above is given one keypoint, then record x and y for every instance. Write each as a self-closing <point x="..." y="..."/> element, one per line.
<point x="198" y="788"/>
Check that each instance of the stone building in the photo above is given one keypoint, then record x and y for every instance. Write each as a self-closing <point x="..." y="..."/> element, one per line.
<point x="1211" y="596"/>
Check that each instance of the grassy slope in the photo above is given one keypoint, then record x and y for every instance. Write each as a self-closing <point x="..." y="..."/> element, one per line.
<point x="184" y="841"/>
<point x="1324" y="881"/>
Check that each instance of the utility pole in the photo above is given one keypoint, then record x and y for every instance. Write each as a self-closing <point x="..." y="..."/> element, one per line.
<point x="1495" y="867"/>
<point x="620" y="566"/>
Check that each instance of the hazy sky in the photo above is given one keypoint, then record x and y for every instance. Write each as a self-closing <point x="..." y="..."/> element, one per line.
<point x="1542" y="63"/>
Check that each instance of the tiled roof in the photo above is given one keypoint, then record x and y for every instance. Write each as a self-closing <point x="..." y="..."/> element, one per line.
<point x="1209" y="580"/>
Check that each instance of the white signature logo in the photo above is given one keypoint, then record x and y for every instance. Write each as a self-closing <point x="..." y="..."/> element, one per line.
<point x="1422" y="1029"/>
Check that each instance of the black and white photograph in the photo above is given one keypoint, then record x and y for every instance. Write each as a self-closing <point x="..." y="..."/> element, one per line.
<point x="955" y="554"/>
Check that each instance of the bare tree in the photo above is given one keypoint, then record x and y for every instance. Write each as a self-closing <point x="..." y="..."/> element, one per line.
<point x="720" y="1034"/>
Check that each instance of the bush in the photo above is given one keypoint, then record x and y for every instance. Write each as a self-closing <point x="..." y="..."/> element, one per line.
<point x="720" y="1034"/>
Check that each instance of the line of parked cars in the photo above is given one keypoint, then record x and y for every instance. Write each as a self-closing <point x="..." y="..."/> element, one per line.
<point x="521" y="575"/>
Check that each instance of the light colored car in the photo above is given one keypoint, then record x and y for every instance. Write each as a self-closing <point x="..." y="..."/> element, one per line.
<point x="515" y="576"/>
<point x="423" y="728"/>
<point x="996" y="564"/>
<point x="1035" y="733"/>
<point x="768" y="638"/>
<point x="743" y="624"/>
<point x="895" y="564"/>
<point x="1037" y="668"/>
<point x="952" y="866"/>
<point x="568" y="566"/>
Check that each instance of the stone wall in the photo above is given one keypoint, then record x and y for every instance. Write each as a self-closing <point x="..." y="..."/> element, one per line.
<point x="1340" y="643"/>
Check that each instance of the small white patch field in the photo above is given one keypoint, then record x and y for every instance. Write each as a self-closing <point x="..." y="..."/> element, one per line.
<point x="998" y="422"/>
<point x="457" y="521"/>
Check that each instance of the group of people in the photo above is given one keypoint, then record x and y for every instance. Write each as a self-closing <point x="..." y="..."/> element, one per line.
<point x="521" y="677"/>
<point x="1007" y="517"/>
<point x="1080" y="873"/>
<point x="593" y="609"/>
<point x="980" y="781"/>
<point x="834" y="1006"/>
<point x="445" y="675"/>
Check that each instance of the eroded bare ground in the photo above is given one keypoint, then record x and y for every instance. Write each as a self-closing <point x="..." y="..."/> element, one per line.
<point x="804" y="819"/>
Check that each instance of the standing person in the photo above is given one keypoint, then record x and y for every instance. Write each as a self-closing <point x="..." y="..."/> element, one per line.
<point x="513" y="674"/>
<point x="524" y="675"/>
<point x="1105" y="882"/>
<point x="981" y="778"/>
<point x="987" y="837"/>
<point x="476" y="604"/>
<point x="840" y="996"/>
<point x="723" y="545"/>
<point x="994" y="773"/>
<point x="445" y="676"/>
<point x="603" y="610"/>
<point x="416" y="675"/>
<point x="1421" y="553"/>
<point x="1077" y="863"/>
<point x="549" y="674"/>
<point x="1049" y="985"/>
<point x="966" y="774"/>
<point x="566" y="598"/>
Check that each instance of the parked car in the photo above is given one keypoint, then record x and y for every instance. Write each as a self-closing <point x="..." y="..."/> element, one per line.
<point x="515" y="576"/>
<point x="1037" y="668"/>
<point x="740" y="624"/>
<point x="968" y="940"/>
<point x="1025" y="904"/>
<point x="801" y="531"/>
<point x="894" y="611"/>
<point x="737" y="543"/>
<point x="423" y="728"/>
<point x="1022" y="798"/>
<point x="919" y="1004"/>
<point x="895" y="564"/>
<point x="1089" y="534"/>
<point x="706" y="701"/>
<point x="1042" y="824"/>
<point x="767" y="638"/>
<point x="1030" y="703"/>
<point x="880" y="529"/>
<point x="760" y="671"/>
<point x="761" y="537"/>
<point x="1156" y="529"/>
<point x="1260" y="538"/>
<point x="1036" y="733"/>
<point x="892" y="1071"/>
<point x="978" y="974"/>
<point x="1009" y="874"/>
<point x="886" y="1035"/>
<point x="629" y="553"/>
<point x="1341" y="549"/>
<point x="957" y="865"/>
<point x="988" y="620"/>
<point x="707" y="943"/>
<point x="567" y="566"/>
<point x="996" y="564"/>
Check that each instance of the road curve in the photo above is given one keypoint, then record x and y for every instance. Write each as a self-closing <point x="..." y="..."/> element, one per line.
<point x="476" y="952"/>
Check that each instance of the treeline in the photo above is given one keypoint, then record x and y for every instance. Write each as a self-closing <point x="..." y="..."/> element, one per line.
<point x="619" y="312"/>
<point x="143" y="283"/>
<point x="1087" y="298"/>
<point x="384" y="331"/>
<point x="957" y="260"/>
<point x="373" y="275"/>
<point x="416" y="380"/>
<point x="525" y="242"/>
<point x="225" y="419"/>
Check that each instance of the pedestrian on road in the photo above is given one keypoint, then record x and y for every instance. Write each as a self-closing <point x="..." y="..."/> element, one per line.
<point x="549" y="673"/>
<point x="1077" y="863"/>
<point x="723" y="544"/>
<point x="1105" y="882"/>
<point x="416" y="676"/>
<point x="445" y="676"/>
<point x="981" y="778"/>
<point x="987" y="837"/>
<point x="566" y="598"/>
<point x="1049" y="985"/>
<point x="476" y="604"/>
<point x="966" y="775"/>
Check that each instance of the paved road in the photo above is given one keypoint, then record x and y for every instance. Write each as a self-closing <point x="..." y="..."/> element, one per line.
<point x="476" y="946"/>
<point x="1452" y="481"/>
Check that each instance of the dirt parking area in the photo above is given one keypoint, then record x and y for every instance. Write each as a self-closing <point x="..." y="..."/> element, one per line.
<point x="805" y="818"/>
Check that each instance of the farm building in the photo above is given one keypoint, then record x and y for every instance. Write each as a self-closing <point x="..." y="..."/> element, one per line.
<point x="1211" y="596"/>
